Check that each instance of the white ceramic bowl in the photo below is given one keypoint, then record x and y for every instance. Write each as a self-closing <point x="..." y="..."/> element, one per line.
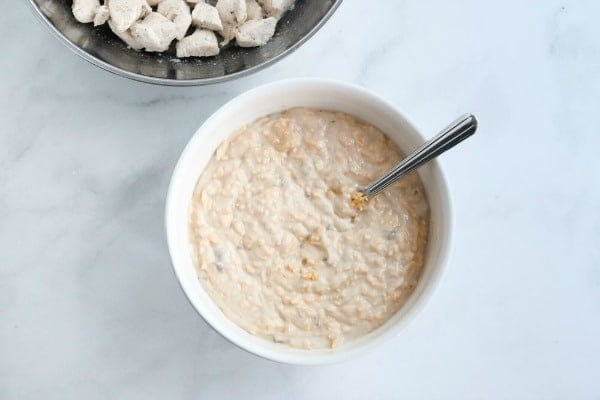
<point x="275" y="97"/>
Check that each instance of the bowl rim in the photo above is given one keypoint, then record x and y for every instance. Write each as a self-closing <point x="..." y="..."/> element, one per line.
<point x="179" y="82"/>
<point x="335" y="356"/>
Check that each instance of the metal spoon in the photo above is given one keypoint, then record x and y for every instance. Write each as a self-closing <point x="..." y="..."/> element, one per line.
<point x="452" y="135"/>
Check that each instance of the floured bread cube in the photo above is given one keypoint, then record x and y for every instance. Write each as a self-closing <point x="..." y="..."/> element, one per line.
<point x="125" y="36"/>
<point x="123" y="13"/>
<point x="201" y="43"/>
<point x="254" y="10"/>
<point x="101" y="16"/>
<point x="232" y="11"/>
<point x="275" y="8"/>
<point x="228" y="32"/>
<point x="154" y="33"/>
<point x="85" y="10"/>
<point x="207" y="17"/>
<point x="146" y="9"/>
<point x="178" y="12"/>
<point x="232" y="14"/>
<point x="153" y="2"/>
<point x="256" y="32"/>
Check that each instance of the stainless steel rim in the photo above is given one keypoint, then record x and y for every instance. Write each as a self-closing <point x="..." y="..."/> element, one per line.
<point x="183" y="82"/>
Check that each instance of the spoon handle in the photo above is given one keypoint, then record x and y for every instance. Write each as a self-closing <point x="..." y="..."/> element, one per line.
<point x="452" y="135"/>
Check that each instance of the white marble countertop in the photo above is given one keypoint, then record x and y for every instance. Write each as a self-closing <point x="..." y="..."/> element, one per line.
<point x="89" y="306"/>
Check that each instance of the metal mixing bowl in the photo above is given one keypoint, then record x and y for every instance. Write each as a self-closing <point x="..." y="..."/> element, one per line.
<point x="102" y="48"/>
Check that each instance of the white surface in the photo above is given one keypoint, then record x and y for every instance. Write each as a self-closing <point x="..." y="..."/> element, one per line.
<point x="89" y="306"/>
<point x="276" y="97"/>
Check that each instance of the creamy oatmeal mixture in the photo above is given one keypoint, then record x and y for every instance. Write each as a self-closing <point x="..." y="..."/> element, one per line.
<point x="279" y="246"/>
